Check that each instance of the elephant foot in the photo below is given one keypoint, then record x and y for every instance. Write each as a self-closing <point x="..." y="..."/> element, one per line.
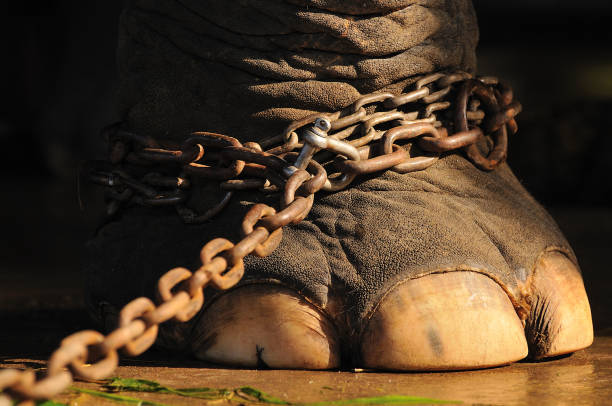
<point x="465" y="320"/>
<point x="439" y="322"/>
<point x="266" y="326"/>
<point x="446" y="321"/>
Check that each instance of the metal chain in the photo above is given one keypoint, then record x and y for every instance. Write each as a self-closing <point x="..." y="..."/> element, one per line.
<point x="360" y="139"/>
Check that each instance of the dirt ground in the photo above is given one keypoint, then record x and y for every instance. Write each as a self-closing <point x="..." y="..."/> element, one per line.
<point x="584" y="378"/>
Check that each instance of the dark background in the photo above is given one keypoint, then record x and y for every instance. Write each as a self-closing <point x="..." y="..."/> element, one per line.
<point x="57" y="80"/>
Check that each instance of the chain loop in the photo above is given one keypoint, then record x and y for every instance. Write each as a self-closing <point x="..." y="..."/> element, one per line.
<point x="296" y="180"/>
<point x="206" y="139"/>
<point x="500" y="137"/>
<point x="129" y="316"/>
<point x="51" y="385"/>
<point x="256" y="213"/>
<point x="228" y="279"/>
<point x="298" y="209"/>
<point x="169" y="281"/>
<point x="410" y="164"/>
<point x="77" y="351"/>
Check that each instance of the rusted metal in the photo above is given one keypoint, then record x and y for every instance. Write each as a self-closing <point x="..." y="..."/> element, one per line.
<point x="167" y="310"/>
<point x="164" y="155"/>
<point x="173" y="182"/>
<point x="452" y="78"/>
<point x="170" y="280"/>
<point x="371" y="98"/>
<point x="224" y="279"/>
<point x="293" y="183"/>
<point x="501" y="118"/>
<point x="256" y="213"/>
<point x="406" y="132"/>
<point x="454" y="142"/>
<point x="362" y="138"/>
<point x="288" y="215"/>
<point x="249" y="244"/>
<point x="131" y="313"/>
<point x="378" y="118"/>
<point x="241" y="154"/>
<point x="486" y="95"/>
<point x="376" y="164"/>
<point x="189" y="216"/>
<point x="434" y="97"/>
<point x="318" y="175"/>
<point x="410" y="97"/>
<point x="169" y="199"/>
<point x="212" y="140"/>
<point x="28" y="387"/>
<point x="244" y="184"/>
<point x="122" y="336"/>
<point x="349" y="120"/>
<point x="433" y="107"/>
<point x="77" y="348"/>
<point x="288" y="146"/>
<point x="426" y="80"/>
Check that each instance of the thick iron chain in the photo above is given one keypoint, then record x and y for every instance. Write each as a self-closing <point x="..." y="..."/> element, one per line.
<point x="362" y="138"/>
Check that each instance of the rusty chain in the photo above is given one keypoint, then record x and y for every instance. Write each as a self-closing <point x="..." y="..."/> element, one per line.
<point x="360" y="139"/>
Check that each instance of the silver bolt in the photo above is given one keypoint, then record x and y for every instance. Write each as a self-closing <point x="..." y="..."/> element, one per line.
<point x="313" y="135"/>
<point x="322" y="124"/>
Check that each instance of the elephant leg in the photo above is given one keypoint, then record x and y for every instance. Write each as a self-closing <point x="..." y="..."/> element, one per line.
<point x="450" y="267"/>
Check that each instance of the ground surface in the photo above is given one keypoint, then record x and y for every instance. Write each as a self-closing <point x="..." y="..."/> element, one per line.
<point x="584" y="378"/>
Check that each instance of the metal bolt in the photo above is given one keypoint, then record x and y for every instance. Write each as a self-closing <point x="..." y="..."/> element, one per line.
<point x="318" y="131"/>
<point x="322" y="124"/>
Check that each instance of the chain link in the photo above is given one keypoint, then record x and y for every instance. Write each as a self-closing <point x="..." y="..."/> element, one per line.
<point x="360" y="139"/>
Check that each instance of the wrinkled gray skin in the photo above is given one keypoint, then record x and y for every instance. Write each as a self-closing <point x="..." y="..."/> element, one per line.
<point x="247" y="69"/>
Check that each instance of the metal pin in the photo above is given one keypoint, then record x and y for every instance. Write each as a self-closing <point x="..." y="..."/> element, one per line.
<point x="317" y="131"/>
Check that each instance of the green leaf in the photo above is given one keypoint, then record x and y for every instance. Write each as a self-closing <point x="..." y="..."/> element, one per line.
<point x="246" y="393"/>
<point x="129" y="384"/>
<point x="49" y="403"/>
<point x="117" y="398"/>
<point x="143" y="385"/>
<point x="259" y="396"/>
